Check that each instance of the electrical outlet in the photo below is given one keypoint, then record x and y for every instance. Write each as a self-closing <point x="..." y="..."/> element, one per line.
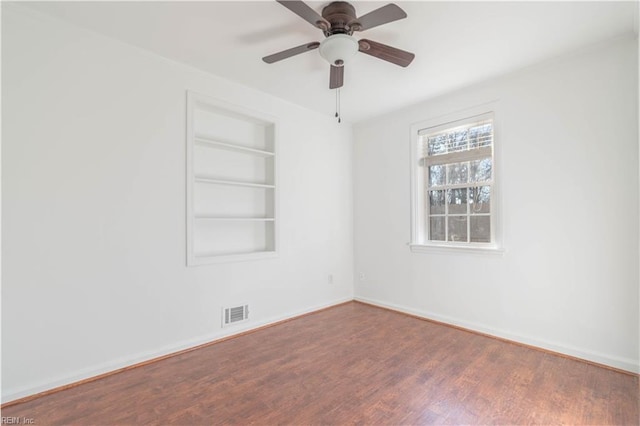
<point x="330" y="279"/>
<point x="362" y="276"/>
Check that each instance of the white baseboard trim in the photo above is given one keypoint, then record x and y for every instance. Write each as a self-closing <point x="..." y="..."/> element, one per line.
<point x="9" y="395"/>
<point x="626" y="364"/>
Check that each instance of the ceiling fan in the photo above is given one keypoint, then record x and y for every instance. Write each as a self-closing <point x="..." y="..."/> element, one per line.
<point x="338" y="22"/>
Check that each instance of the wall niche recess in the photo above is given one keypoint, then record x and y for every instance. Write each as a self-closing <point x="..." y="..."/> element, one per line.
<point x="231" y="182"/>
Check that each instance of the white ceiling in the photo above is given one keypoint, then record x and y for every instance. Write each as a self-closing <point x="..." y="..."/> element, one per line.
<point x="456" y="43"/>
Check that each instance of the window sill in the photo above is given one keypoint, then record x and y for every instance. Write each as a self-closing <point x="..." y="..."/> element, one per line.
<point x="448" y="249"/>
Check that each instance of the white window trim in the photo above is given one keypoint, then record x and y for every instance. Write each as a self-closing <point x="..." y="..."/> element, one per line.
<point x="417" y="244"/>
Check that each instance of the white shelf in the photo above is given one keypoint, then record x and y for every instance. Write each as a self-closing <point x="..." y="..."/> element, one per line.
<point x="205" y="141"/>
<point x="248" y="253"/>
<point x="245" y="219"/>
<point x="207" y="258"/>
<point x="231" y="180"/>
<point x="204" y="179"/>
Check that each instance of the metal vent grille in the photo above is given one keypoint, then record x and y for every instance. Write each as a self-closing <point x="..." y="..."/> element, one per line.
<point x="235" y="314"/>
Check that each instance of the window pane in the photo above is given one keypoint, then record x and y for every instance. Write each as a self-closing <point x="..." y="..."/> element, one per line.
<point x="480" y="170"/>
<point x="458" y="141"/>
<point x="437" y="144"/>
<point x="436" y="175"/>
<point x="436" y="228"/>
<point x="480" y="199"/>
<point x="458" y="228"/>
<point x="481" y="135"/>
<point x="480" y="229"/>
<point x="458" y="173"/>
<point x="436" y="202"/>
<point x="457" y="200"/>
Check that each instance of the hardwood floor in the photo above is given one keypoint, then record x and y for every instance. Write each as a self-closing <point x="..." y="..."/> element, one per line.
<point x="352" y="364"/>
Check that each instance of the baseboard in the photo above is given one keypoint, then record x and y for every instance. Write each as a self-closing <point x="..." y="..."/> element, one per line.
<point x="16" y="396"/>
<point x="604" y="360"/>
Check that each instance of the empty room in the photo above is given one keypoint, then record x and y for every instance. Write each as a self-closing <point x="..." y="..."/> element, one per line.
<point x="304" y="212"/>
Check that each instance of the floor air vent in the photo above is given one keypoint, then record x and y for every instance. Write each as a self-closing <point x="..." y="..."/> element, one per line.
<point x="235" y="314"/>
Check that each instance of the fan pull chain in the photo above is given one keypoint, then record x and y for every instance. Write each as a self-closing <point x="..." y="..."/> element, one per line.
<point x="338" y="106"/>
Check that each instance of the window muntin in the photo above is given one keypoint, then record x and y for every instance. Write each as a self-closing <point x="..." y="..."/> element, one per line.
<point x="457" y="179"/>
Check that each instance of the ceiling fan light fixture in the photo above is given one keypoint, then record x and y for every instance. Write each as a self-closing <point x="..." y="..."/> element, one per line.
<point x="338" y="49"/>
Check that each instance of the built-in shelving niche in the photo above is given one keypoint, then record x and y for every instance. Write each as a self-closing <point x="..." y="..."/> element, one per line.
<point x="231" y="182"/>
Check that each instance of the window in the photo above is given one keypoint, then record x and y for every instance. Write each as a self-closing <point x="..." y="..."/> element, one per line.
<point x="454" y="187"/>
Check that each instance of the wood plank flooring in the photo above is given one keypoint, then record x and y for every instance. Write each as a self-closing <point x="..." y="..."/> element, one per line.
<point x="351" y="364"/>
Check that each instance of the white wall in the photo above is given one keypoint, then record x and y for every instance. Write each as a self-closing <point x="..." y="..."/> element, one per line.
<point x="93" y="188"/>
<point x="568" y="279"/>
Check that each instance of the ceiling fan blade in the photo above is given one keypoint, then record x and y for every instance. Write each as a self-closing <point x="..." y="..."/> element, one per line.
<point x="386" y="53"/>
<point x="383" y="15"/>
<point x="290" y="52"/>
<point x="301" y="9"/>
<point x="336" y="77"/>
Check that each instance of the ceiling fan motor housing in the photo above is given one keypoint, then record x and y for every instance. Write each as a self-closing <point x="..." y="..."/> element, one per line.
<point x="342" y="17"/>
